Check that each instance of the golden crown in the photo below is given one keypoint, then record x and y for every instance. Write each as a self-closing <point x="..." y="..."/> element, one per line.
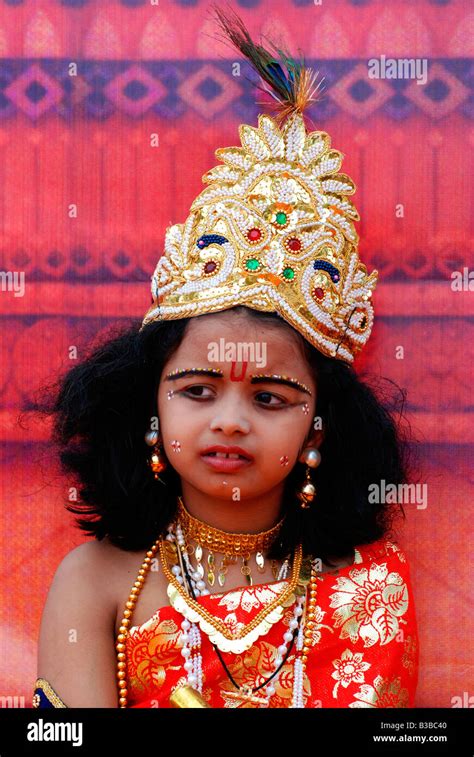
<point x="274" y="231"/>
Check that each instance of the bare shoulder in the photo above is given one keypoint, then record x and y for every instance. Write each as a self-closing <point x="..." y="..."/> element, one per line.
<point x="76" y="649"/>
<point x="80" y="620"/>
<point x="88" y="555"/>
<point x="88" y="568"/>
<point x="101" y="555"/>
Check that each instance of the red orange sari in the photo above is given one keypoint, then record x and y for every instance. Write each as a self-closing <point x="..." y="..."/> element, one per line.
<point x="364" y="653"/>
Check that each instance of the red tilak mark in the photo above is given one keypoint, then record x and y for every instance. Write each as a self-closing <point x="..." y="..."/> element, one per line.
<point x="233" y="377"/>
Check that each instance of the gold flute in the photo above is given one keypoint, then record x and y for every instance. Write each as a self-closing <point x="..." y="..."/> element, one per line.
<point x="186" y="696"/>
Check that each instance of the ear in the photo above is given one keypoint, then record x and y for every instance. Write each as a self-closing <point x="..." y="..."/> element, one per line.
<point x="316" y="439"/>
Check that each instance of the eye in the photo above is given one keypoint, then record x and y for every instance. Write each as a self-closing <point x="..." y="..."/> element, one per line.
<point x="269" y="395"/>
<point x="195" y="392"/>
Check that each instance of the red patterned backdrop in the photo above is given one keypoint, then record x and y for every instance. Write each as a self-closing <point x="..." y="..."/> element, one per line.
<point x="85" y="200"/>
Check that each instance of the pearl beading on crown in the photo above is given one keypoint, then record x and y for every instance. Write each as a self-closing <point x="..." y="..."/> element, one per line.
<point x="274" y="231"/>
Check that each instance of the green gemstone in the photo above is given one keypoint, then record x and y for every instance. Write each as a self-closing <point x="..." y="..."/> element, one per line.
<point x="280" y="217"/>
<point x="252" y="264"/>
<point x="289" y="273"/>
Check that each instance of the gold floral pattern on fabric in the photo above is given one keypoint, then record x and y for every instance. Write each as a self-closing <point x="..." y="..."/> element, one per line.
<point x="350" y="668"/>
<point x="410" y="653"/>
<point x="319" y="625"/>
<point x="383" y="693"/>
<point x="154" y="652"/>
<point x="370" y="604"/>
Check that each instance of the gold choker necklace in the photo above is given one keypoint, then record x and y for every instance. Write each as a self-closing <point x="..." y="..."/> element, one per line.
<point x="231" y="544"/>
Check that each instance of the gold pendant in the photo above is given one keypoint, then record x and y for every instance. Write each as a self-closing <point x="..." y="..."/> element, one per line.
<point x="211" y="576"/>
<point x="221" y="579"/>
<point x="244" y="694"/>
<point x="200" y="571"/>
<point x="222" y="571"/>
<point x="199" y="566"/>
<point x="245" y="570"/>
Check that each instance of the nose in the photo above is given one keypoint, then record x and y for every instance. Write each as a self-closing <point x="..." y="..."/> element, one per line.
<point x="230" y="419"/>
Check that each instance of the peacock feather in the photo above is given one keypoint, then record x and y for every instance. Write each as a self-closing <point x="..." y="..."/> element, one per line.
<point x="290" y="82"/>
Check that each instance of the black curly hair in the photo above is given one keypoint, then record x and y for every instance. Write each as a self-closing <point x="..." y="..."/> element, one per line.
<point x="102" y="407"/>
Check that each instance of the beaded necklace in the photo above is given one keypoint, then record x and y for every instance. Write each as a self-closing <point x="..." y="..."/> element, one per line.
<point x="301" y="627"/>
<point x="195" y="668"/>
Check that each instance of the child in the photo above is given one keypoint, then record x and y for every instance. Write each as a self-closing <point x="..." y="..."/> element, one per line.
<point x="250" y="567"/>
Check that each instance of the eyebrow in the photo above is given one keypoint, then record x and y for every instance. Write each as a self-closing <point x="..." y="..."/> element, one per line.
<point x="277" y="379"/>
<point x="180" y="372"/>
<point x="260" y="378"/>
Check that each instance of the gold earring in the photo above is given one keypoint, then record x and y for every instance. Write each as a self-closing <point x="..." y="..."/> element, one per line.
<point x="312" y="457"/>
<point x="156" y="462"/>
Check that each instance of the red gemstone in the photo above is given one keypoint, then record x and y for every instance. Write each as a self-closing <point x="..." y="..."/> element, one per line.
<point x="210" y="267"/>
<point x="254" y="234"/>
<point x="294" y="244"/>
<point x="319" y="293"/>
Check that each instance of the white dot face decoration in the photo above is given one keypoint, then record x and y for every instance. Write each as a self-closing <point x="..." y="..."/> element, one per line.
<point x="176" y="446"/>
<point x="170" y="394"/>
<point x="305" y="408"/>
<point x="284" y="460"/>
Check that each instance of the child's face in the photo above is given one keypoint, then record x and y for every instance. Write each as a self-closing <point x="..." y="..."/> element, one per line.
<point x="271" y="422"/>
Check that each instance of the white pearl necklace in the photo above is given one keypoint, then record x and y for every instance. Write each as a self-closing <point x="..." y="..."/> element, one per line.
<point x="191" y="651"/>
<point x="298" y="673"/>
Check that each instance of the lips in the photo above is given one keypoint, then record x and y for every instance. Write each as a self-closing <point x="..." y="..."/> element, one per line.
<point x="225" y="464"/>
<point x="231" y="456"/>
<point x="219" y="451"/>
<point x="226" y="459"/>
